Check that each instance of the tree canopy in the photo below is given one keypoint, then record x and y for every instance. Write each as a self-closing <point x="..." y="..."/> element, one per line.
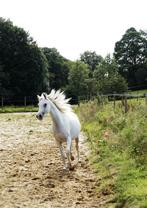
<point x="26" y="69"/>
<point x="58" y="68"/>
<point x="91" y="59"/>
<point x="23" y="65"/>
<point x="77" y="78"/>
<point x="108" y="79"/>
<point x="131" y="55"/>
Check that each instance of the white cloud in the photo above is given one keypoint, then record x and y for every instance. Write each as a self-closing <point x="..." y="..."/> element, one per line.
<point x="73" y="26"/>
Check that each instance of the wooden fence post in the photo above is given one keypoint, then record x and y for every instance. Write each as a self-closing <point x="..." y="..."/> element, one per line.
<point x="98" y="100"/>
<point x="114" y="104"/>
<point x="146" y="99"/>
<point x="2" y="102"/>
<point x="25" y="101"/>
<point x="126" y="105"/>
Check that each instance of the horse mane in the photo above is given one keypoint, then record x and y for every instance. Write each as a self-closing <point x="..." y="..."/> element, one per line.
<point x="59" y="99"/>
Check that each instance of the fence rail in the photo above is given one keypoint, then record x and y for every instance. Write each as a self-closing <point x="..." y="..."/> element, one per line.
<point x="121" y="97"/>
<point x="25" y="101"/>
<point x="124" y="95"/>
<point x="31" y="101"/>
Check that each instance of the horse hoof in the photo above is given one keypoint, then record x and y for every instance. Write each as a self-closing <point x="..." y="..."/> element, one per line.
<point x="72" y="157"/>
<point x="66" y="168"/>
<point x="72" y="167"/>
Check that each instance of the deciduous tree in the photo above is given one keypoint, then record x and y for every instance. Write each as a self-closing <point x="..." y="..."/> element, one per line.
<point x="108" y="80"/>
<point x="77" y="78"/>
<point x="24" y="65"/>
<point x="131" y="54"/>
<point x="58" y="68"/>
<point x="92" y="59"/>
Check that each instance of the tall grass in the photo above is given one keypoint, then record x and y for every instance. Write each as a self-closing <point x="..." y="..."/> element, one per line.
<point x="118" y="142"/>
<point x="16" y="109"/>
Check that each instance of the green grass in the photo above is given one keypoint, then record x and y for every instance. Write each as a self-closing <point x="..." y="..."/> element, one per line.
<point x="136" y="92"/>
<point x="14" y="109"/>
<point x="118" y="142"/>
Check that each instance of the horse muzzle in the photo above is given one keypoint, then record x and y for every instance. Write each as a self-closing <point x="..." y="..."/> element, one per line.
<point x="39" y="117"/>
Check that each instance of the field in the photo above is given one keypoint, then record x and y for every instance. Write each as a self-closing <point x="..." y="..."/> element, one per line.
<point x="113" y="158"/>
<point x="14" y="109"/>
<point x="118" y="141"/>
<point x="31" y="172"/>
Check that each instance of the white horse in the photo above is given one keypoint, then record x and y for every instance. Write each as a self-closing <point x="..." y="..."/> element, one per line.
<point x="66" y="125"/>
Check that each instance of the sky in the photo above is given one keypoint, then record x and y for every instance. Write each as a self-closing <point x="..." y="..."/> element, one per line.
<point x="75" y="26"/>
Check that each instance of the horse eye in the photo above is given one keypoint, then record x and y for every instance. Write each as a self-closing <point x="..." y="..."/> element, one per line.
<point x="45" y="105"/>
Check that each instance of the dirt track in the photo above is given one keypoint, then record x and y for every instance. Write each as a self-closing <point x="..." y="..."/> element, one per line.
<point x="31" y="172"/>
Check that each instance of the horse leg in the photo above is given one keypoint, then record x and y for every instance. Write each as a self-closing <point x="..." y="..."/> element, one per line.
<point x="68" y="151"/>
<point x="62" y="154"/>
<point x="77" y="149"/>
<point x="71" y="157"/>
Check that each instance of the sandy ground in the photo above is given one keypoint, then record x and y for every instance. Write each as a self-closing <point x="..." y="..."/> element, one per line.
<point x="31" y="172"/>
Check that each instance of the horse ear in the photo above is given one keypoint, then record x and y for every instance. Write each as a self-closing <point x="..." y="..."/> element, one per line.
<point x="45" y="95"/>
<point x="38" y="97"/>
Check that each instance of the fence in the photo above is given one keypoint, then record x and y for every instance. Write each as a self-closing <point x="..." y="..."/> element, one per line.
<point x="32" y="101"/>
<point x="23" y="101"/>
<point x="123" y="98"/>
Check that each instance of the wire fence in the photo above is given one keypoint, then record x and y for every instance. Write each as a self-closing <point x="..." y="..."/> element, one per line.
<point x="23" y="101"/>
<point x="32" y="101"/>
<point x="113" y="98"/>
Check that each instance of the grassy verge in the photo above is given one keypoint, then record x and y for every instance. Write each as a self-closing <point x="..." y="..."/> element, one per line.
<point x="138" y="92"/>
<point x="119" y="151"/>
<point x="14" y="109"/>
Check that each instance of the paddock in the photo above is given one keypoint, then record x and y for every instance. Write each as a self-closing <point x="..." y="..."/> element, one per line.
<point x="31" y="172"/>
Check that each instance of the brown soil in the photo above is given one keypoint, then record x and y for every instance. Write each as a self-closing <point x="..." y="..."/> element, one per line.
<point x="31" y="172"/>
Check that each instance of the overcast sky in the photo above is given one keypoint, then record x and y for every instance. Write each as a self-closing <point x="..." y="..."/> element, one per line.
<point x="74" y="26"/>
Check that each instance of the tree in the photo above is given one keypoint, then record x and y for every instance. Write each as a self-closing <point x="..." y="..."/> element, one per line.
<point x="77" y="78"/>
<point x="58" y="68"/>
<point x="107" y="78"/>
<point x="91" y="58"/>
<point x="131" y="54"/>
<point x="24" y="65"/>
<point x="2" y="78"/>
<point x="114" y="84"/>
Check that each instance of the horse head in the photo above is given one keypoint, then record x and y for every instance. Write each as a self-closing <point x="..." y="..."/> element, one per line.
<point x="44" y="106"/>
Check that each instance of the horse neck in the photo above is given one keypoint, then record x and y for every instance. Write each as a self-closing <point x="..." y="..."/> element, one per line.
<point x="55" y="114"/>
